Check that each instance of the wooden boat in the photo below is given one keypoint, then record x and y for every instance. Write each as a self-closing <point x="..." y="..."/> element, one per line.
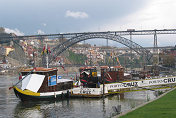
<point x="113" y="80"/>
<point x="94" y="85"/>
<point x="90" y="78"/>
<point x="42" y="84"/>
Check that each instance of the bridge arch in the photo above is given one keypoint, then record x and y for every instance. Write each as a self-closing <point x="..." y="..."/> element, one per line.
<point x="81" y="37"/>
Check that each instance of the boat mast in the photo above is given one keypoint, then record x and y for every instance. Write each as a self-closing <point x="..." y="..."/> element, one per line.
<point x="46" y="56"/>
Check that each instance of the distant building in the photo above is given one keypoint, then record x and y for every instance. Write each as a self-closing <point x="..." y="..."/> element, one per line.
<point x="8" y="50"/>
<point x="2" y="51"/>
<point x="173" y="52"/>
<point x="168" y="57"/>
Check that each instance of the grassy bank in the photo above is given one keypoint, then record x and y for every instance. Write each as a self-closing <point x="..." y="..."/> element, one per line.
<point x="164" y="107"/>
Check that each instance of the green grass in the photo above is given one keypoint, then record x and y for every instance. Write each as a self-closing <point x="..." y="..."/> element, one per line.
<point x="164" y="107"/>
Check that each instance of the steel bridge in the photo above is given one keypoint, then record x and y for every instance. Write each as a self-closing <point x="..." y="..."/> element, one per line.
<point x="73" y="38"/>
<point x="105" y="35"/>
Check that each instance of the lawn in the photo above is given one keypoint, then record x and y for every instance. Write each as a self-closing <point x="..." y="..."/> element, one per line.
<point x="164" y="107"/>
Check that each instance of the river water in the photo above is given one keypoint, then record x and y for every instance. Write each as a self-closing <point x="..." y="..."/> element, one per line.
<point x="10" y="106"/>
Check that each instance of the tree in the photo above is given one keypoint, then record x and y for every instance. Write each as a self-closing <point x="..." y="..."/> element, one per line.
<point x="77" y="58"/>
<point x="168" y="60"/>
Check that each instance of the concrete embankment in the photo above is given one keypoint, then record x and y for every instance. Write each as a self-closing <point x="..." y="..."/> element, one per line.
<point x="162" y="107"/>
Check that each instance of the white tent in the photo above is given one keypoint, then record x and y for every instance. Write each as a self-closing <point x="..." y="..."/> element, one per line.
<point x="86" y="72"/>
<point x="63" y="80"/>
<point x="32" y="82"/>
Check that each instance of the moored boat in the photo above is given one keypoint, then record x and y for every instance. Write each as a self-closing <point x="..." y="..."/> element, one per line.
<point x="93" y="85"/>
<point x="42" y="84"/>
<point x="113" y="80"/>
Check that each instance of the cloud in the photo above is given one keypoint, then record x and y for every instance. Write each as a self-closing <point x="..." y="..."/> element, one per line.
<point x="157" y="14"/>
<point x="40" y="32"/>
<point x="15" y="31"/>
<point x="77" y="14"/>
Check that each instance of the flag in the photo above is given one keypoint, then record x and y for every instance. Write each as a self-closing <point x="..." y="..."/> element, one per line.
<point x="48" y="50"/>
<point x="43" y="51"/>
<point x="111" y="54"/>
<point x="44" y="48"/>
<point x="20" y="76"/>
<point x="118" y="61"/>
<point x="63" y="68"/>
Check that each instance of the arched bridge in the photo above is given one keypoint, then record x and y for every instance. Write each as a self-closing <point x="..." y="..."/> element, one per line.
<point x="73" y="38"/>
<point x="110" y="36"/>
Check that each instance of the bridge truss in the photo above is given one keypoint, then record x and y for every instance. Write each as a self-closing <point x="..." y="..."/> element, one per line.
<point x="81" y="37"/>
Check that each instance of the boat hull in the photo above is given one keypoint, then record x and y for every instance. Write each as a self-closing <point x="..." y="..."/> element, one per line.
<point x="37" y="97"/>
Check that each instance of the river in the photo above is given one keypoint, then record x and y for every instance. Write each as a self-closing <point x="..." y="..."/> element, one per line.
<point x="10" y="106"/>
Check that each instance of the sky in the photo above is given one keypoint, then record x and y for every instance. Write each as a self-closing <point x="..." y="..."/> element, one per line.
<point x="30" y="17"/>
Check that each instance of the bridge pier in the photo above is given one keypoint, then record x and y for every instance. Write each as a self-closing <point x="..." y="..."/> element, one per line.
<point x="155" y="50"/>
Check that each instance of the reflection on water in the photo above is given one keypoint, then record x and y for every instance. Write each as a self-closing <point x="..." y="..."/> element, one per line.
<point x="79" y="108"/>
<point x="10" y="106"/>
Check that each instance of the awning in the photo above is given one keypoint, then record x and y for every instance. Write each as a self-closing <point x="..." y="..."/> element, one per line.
<point x="126" y="74"/>
<point x="86" y="72"/>
<point x="63" y="80"/>
<point x="32" y="82"/>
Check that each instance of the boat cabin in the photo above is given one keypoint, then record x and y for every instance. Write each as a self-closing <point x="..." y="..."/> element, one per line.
<point x="112" y="74"/>
<point x="88" y="76"/>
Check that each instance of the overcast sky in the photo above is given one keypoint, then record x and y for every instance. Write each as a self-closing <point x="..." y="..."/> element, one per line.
<point x="29" y="17"/>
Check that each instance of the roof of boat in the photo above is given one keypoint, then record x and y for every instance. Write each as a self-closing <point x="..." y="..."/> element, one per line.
<point x="88" y="67"/>
<point x="106" y="67"/>
<point x="39" y="69"/>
